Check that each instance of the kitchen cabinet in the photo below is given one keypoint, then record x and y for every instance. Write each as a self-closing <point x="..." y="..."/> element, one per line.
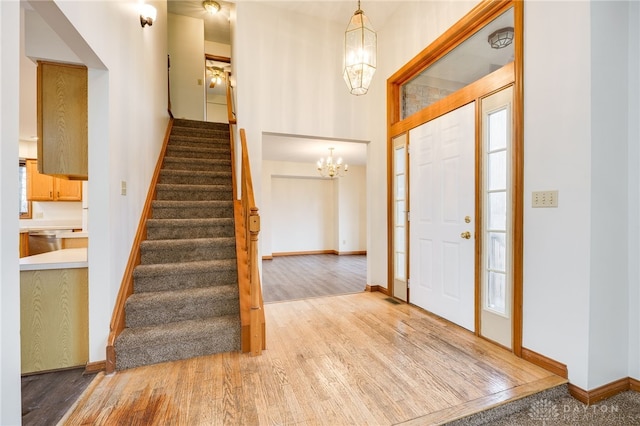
<point x="42" y="187"/>
<point x="62" y="117"/>
<point x="54" y="319"/>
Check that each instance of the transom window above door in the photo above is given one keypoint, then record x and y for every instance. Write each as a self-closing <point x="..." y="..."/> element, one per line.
<point x="486" y="51"/>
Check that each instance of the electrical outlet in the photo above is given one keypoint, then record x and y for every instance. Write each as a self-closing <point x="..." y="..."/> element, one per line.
<point x="544" y="199"/>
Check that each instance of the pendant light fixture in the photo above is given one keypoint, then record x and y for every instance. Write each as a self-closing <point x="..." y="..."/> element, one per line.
<point x="331" y="168"/>
<point x="360" y="49"/>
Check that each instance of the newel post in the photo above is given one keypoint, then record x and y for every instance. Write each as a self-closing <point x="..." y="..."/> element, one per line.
<point x="256" y="323"/>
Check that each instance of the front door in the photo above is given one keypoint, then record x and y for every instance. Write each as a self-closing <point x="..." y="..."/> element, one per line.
<point x="442" y="206"/>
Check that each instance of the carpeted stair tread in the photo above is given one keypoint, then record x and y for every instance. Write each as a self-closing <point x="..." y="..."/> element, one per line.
<point x="158" y="229"/>
<point x="188" y="192"/>
<point x="197" y="164"/>
<point x="198" y="151"/>
<point x="190" y="177"/>
<point x="185" y="122"/>
<point x="215" y="140"/>
<point x="192" y="209"/>
<point x="182" y="275"/>
<point x="187" y="250"/>
<point x="154" y="308"/>
<point x="178" y="340"/>
<point x="198" y="132"/>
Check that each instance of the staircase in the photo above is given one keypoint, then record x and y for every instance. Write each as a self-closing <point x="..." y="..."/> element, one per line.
<point x="185" y="300"/>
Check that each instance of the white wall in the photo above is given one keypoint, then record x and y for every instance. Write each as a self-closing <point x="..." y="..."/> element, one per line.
<point x="292" y="218"/>
<point x="634" y="189"/>
<point x="304" y="218"/>
<point x="608" y="308"/>
<point x="10" y="395"/>
<point x="557" y="156"/>
<point x="186" y="49"/>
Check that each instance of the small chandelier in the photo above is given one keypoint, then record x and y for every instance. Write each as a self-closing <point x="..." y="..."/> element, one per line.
<point x="330" y="168"/>
<point x="501" y="38"/>
<point x="360" y="49"/>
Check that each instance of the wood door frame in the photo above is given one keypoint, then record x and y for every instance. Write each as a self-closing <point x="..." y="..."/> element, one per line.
<point x="510" y="74"/>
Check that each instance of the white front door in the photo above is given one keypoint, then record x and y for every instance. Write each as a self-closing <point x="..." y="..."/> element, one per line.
<point x="442" y="206"/>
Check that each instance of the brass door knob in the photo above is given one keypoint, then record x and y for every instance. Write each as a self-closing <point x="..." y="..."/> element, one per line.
<point x="466" y="235"/>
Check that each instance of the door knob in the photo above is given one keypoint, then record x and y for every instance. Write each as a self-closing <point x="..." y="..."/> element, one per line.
<point x="466" y="235"/>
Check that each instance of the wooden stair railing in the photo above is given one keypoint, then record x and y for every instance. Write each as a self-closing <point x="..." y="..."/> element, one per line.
<point x="126" y="286"/>
<point x="247" y="228"/>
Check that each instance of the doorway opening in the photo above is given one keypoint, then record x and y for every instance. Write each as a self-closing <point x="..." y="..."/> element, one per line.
<point x="488" y="219"/>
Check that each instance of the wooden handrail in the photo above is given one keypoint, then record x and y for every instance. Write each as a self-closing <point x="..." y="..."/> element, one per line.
<point x="126" y="286"/>
<point x="247" y="227"/>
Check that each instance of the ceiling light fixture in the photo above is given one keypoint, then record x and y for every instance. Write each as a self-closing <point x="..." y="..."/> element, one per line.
<point x="217" y="76"/>
<point x="148" y="14"/>
<point x="212" y="7"/>
<point x="501" y="38"/>
<point x="360" y="50"/>
<point x="330" y="168"/>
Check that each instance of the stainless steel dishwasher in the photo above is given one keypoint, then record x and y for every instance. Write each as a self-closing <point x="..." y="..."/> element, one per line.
<point x="43" y="242"/>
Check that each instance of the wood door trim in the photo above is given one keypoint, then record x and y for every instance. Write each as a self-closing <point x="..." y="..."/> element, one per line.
<point x="511" y="73"/>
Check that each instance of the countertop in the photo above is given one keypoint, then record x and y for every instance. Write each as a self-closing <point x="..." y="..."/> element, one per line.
<point x="58" y="259"/>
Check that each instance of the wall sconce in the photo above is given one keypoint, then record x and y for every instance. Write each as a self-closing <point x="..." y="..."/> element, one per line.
<point x="148" y="14"/>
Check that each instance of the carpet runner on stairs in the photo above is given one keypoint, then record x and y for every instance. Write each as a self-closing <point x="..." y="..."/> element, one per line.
<point x="185" y="301"/>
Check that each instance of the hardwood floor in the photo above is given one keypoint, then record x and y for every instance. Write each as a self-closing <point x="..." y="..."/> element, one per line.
<point x="304" y="276"/>
<point x="342" y="360"/>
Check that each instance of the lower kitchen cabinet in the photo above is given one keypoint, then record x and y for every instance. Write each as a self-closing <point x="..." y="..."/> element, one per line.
<point x="54" y="319"/>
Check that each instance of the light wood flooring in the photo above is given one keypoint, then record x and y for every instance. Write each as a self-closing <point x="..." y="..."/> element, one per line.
<point x="304" y="276"/>
<point x="344" y="360"/>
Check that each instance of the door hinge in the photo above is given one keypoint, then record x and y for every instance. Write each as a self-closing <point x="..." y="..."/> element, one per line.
<point x="408" y="216"/>
<point x="408" y="283"/>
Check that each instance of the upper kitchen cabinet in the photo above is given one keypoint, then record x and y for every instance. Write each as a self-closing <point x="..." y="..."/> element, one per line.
<point x="62" y="120"/>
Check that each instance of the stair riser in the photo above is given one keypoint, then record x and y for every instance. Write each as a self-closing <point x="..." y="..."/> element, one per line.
<point x="175" y="233"/>
<point x="155" y="256"/>
<point x="177" y="195"/>
<point x="185" y="281"/>
<point x="191" y="212"/>
<point x="185" y="122"/>
<point x="193" y="179"/>
<point x="191" y="309"/>
<point x="227" y="340"/>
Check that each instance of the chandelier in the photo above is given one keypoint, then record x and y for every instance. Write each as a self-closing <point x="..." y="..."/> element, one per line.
<point x="330" y="168"/>
<point x="360" y="49"/>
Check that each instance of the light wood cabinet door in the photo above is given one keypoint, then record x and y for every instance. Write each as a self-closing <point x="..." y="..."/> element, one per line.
<point x="48" y="188"/>
<point x="39" y="186"/>
<point x="54" y="319"/>
<point x="67" y="190"/>
<point x="62" y="120"/>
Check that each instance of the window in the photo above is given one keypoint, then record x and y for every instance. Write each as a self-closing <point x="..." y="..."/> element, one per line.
<point x="25" y="204"/>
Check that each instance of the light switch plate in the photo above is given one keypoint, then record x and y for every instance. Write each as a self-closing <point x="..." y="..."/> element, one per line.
<point x="544" y="199"/>
<point x="123" y="187"/>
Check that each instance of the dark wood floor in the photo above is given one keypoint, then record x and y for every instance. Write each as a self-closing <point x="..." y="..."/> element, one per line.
<point x="47" y="397"/>
<point x="305" y="276"/>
